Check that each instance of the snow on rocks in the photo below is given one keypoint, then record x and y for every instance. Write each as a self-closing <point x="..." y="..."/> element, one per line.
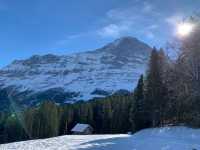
<point x="111" y="68"/>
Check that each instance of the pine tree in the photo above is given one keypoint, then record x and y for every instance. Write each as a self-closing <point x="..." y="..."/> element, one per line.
<point x="29" y="122"/>
<point x="46" y="120"/>
<point x="137" y="111"/>
<point x="13" y="130"/>
<point x="154" y="94"/>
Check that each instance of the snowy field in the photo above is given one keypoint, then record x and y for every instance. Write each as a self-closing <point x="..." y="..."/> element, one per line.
<point x="176" y="138"/>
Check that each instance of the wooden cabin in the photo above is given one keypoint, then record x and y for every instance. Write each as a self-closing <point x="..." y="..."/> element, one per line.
<point x="82" y="129"/>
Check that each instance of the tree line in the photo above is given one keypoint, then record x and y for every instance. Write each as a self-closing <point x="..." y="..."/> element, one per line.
<point x="109" y="115"/>
<point x="167" y="94"/>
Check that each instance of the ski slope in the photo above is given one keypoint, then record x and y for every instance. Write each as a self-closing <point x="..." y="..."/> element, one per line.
<point x="173" y="138"/>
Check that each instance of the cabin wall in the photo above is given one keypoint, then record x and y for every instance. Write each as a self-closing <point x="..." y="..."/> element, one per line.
<point x="87" y="131"/>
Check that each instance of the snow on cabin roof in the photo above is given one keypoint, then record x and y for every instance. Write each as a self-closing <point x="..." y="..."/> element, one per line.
<point x="80" y="127"/>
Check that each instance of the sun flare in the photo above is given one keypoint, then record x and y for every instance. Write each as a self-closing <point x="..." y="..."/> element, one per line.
<point x="184" y="29"/>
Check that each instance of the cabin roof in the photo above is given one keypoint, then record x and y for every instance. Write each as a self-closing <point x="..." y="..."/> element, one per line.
<point x="80" y="127"/>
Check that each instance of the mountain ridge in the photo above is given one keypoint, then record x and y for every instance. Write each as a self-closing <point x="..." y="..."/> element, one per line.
<point x="77" y="76"/>
<point x="107" y="46"/>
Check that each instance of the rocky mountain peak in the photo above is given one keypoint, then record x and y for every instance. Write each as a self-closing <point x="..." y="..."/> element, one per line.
<point x="128" y="46"/>
<point x="124" y="40"/>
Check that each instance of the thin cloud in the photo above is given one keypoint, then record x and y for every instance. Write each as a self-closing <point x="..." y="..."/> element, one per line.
<point x="113" y="30"/>
<point x="68" y="38"/>
<point x="150" y="35"/>
<point x="128" y="20"/>
<point x="173" y="20"/>
<point x="153" y="27"/>
<point x="71" y="37"/>
<point x="147" y="7"/>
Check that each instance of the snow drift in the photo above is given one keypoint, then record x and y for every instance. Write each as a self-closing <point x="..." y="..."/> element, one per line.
<point x="168" y="138"/>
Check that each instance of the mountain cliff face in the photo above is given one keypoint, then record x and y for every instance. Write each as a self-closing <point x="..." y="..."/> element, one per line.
<point x="80" y="76"/>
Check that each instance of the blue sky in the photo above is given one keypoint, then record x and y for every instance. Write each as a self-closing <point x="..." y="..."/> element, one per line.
<point x="30" y="27"/>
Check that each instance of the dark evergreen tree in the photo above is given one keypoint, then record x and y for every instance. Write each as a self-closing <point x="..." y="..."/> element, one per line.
<point x="13" y="130"/>
<point x="138" y="111"/>
<point x="155" y="89"/>
<point x="49" y="120"/>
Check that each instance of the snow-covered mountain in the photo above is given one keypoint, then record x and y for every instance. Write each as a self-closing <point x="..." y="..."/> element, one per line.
<point x="80" y="76"/>
<point x="168" y="138"/>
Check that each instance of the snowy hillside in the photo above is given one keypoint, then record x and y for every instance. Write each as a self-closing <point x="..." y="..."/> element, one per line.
<point x="79" y="76"/>
<point x="176" y="138"/>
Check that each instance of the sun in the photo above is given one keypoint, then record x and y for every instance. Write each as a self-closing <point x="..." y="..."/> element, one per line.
<point x="184" y="29"/>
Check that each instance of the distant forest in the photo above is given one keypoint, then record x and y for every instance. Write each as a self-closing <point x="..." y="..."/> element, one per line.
<point x="167" y="94"/>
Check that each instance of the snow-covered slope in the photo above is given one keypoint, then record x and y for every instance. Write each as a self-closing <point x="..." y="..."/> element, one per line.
<point x="80" y="76"/>
<point x="176" y="138"/>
